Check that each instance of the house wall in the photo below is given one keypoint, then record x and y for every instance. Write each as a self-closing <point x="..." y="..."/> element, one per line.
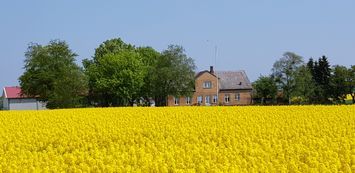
<point x="245" y="97"/>
<point x="171" y="101"/>
<point x="25" y="104"/>
<point x="201" y="91"/>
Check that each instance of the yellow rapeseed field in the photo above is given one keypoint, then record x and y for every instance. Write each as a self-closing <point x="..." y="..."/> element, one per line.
<point x="180" y="139"/>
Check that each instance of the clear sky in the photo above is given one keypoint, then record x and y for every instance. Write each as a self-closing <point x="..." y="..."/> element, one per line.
<point x="249" y="34"/>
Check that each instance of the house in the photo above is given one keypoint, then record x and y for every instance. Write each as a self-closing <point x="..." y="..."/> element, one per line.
<point x="13" y="100"/>
<point x="231" y="88"/>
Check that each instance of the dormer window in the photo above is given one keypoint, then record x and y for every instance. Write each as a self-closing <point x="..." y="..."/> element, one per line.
<point x="207" y="84"/>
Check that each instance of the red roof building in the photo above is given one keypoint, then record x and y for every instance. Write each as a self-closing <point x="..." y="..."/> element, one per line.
<point x="13" y="92"/>
<point x="13" y="99"/>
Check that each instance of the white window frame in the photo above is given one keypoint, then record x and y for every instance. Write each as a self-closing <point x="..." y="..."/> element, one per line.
<point x="226" y="98"/>
<point x="207" y="99"/>
<point x="188" y="100"/>
<point x="199" y="99"/>
<point x="215" y="99"/>
<point x="176" y="100"/>
<point x="207" y="84"/>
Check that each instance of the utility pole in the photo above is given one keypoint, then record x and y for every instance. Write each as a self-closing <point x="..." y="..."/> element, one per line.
<point x="215" y="67"/>
<point x="215" y="64"/>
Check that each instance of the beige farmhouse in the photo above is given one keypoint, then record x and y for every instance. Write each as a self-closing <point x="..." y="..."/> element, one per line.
<point x="217" y="88"/>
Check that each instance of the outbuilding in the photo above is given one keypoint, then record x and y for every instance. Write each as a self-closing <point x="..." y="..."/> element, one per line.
<point x="14" y="100"/>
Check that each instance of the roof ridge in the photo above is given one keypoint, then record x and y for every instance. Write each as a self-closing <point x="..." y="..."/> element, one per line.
<point x="201" y="72"/>
<point x="12" y="87"/>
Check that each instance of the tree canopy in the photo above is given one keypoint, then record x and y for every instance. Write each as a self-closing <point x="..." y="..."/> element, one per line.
<point x="284" y="71"/>
<point x="115" y="74"/>
<point x="52" y="75"/>
<point x="174" y="75"/>
<point x="266" y="89"/>
<point x="321" y="75"/>
<point x="315" y="82"/>
<point x="304" y="86"/>
<point x="121" y="74"/>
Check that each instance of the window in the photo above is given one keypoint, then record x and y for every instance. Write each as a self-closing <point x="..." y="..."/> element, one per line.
<point x="226" y="98"/>
<point x="188" y="100"/>
<point x="207" y="100"/>
<point x="215" y="99"/>
<point x="237" y="96"/>
<point x="176" y="100"/>
<point x="199" y="99"/>
<point x="207" y="84"/>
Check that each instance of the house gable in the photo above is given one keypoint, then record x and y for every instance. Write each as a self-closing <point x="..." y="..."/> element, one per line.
<point x="205" y="77"/>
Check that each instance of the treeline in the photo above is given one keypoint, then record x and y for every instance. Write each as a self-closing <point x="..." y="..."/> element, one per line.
<point x="118" y="74"/>
<point x="293" y="81"/>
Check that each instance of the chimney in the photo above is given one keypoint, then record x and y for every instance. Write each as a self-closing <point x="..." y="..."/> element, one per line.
<point x="211" y="70"/>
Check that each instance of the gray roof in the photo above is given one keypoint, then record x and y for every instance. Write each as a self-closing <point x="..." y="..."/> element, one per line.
<point x="229" y="80"/>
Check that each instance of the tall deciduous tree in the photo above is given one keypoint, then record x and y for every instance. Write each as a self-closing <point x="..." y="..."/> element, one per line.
<point x="111" y="46"/>
<point x="284" y="71"/>
<point x="52" y="75"/>
<point x="150" y="59"/>
<point x="115" y="74"/>
<point x="120" y="73"/>
<point x="174" y="75"/>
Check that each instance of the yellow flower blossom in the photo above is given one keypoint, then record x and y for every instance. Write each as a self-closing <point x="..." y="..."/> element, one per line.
<point x="179" y="139"/>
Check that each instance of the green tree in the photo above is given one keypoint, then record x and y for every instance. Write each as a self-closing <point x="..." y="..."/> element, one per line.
<point x="150" y="59"/>
<point x="305" y="86"/>
<point x="339" y="83"/>
<point x="351" y="82"/>
<point x="52" y="75"/>
<point x="311" y="67"/>
<point x="284" y="71"/>
<point x="321" y="73"/>
<point x="173" y="75"/>
<point x="266" y="88"/>
<point x="111" y="46"/>
<point x="115" y="74"/>
<point x="154" y="75"/>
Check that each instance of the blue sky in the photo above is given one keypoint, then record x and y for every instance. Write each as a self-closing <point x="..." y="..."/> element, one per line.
<point x="249" y="34"/>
